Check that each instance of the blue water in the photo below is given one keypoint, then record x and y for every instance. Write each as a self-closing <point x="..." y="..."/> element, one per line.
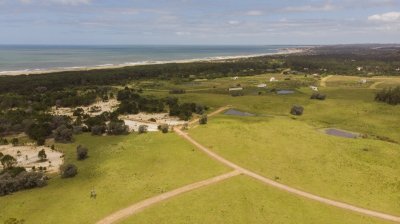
<point x="19" y="58"/>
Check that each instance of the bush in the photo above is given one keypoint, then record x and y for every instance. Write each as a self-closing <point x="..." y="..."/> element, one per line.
<point x="390" y="96"/>
<point x="97" y="130"/>
<point x="297" y="110"/>
<point x="203" y="120"/>
<point x="24" y="180"/>
<point x="177" y="91"/>
<point x="3" y="141"/>
<point x="142" y="129"/>
<point x="81" y="152"/>
<point x="164" y="128"/>
<point x="63" y="134"/>
<point x="117" y="128"/>
<point x="14" y="221"/>
<point x="318" y="96"/>
<point x="14" y="141"/>
<point x="68" y="171"/>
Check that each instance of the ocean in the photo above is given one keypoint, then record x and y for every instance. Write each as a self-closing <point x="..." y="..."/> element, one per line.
<point x="21" y="59"/>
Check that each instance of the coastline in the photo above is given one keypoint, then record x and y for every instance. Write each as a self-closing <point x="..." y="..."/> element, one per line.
<point x="285" y="51"/>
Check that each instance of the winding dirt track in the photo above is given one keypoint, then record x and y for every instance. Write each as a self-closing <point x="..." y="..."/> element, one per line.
<point x="323" y="80"/>
<point x="137" y="207"/>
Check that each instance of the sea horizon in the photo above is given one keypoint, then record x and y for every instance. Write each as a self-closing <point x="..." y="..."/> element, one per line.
<point x="31" y="59"/>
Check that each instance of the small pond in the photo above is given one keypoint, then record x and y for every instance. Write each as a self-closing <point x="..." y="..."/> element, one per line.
<point x="285" y="92"/>
<point x="341" y="133"/>
<point x="235" y="112"/>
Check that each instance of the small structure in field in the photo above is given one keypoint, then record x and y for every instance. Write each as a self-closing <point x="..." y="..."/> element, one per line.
<point x="273" y="79"/>
<point x="363" y="81"/>
<point x="359" y="68"/>
<point x="316" y="75"/>
<point x="314" y="88"/>
<point x="235" y="78"/>
<point x="235" y="89"/>
<point x="263" y="85"/>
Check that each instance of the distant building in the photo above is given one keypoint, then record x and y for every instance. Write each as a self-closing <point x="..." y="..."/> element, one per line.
<point x="273" y="79"/>
<point x="398" y="69"/>
<point x="359" y="68"/>
<point x="236" y="89"/>
<point x="314" y="88"/>
<point x="316" y="75"/>
<point x="262" y="85"/>
<point x="363" y="81"/>
<point x="235" y="78"/>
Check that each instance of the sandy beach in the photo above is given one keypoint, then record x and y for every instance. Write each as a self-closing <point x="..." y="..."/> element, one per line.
<point x="112" y="66"/>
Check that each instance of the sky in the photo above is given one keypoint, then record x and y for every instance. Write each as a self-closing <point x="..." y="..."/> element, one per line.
<point x="199" y="22"/>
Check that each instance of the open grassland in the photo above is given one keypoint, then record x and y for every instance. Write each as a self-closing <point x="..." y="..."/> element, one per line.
<point x="363" y="172"/>
<point x="122" y="170"/>
<point x="244" y="200"/>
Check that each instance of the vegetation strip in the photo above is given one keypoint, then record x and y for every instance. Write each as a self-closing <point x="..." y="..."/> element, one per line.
<point x="285" y="187"/>
<point x="131" y="210"/>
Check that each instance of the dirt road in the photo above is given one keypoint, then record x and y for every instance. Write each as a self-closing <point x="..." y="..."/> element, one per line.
<point x="323" y="80"/>
<point x="287" y="188"/>
<point x="135" y="208"/>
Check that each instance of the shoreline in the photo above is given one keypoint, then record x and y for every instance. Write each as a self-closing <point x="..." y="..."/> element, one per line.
<point x="284" y="51"/>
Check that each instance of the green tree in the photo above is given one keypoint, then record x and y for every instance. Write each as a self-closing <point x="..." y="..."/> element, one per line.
<point x="8" y="161"/>
<point x="203" y="119"/>
<point x="14" y="141"/>
<point x="42" y="155"/>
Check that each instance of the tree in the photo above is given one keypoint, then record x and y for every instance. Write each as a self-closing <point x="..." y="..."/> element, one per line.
<point x="97" y="130"/>
<point x="297" y="110"/>
<point x="68" y="171"/>
<point x="203" y="119"/>
<point x="1" y="155"/>
<point x="142" y="129"/>
<point x="81" y="152"/>
<point x="42" y="155"/>
<point x="8" y="161"/>
<point x="14" y="141"/>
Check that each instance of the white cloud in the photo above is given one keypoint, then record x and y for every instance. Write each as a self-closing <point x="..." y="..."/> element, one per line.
<point x="385" y="17"/>
<point x="233" y="22"/>
<point x="311" y="8"/>
<point x="254" y="13"/>
<point x="63" y="2"/>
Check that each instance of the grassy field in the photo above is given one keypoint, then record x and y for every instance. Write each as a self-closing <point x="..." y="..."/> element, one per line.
<point x="244" y="200"/>
<point x="123" y="170"/>
<point x="359" y="171"/>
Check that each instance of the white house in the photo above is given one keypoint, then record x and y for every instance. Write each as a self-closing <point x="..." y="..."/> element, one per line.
<point x="235" y="78"/>
<point x="363" y="81"/>
<point x="236" y="89"/>
<point x="273" y="79"/>
<point x="359" y="68"/>
<point x="263" y="85"/>
<point x="314" y="88"/>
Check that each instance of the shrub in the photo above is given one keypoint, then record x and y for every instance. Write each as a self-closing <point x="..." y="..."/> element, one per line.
<point x="81" y="152"/>
<point x="14" y="221"/>
<point x="164" y="128"/>
<point x="177" y="91"/>
<point x="97" y="130"/>
<point x="3" y="141"/>
<point x="117" y="128"/>
<point x="318" y="96"/>
<point x="142" y="129"/>
<point x="68" y="171"/>
<point x="390" y="96"/>
<point x="297" y="110"/>
<point x="63" y="134"/>
<point x="203" y="120"/>
<point x="24" y="180"/>
<point x="14" y="141"/>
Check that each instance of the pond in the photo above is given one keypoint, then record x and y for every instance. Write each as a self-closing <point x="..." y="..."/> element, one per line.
<point x="285" y="92"/>
<point x="235" y="112"/>
<point x="341" y="133"/>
